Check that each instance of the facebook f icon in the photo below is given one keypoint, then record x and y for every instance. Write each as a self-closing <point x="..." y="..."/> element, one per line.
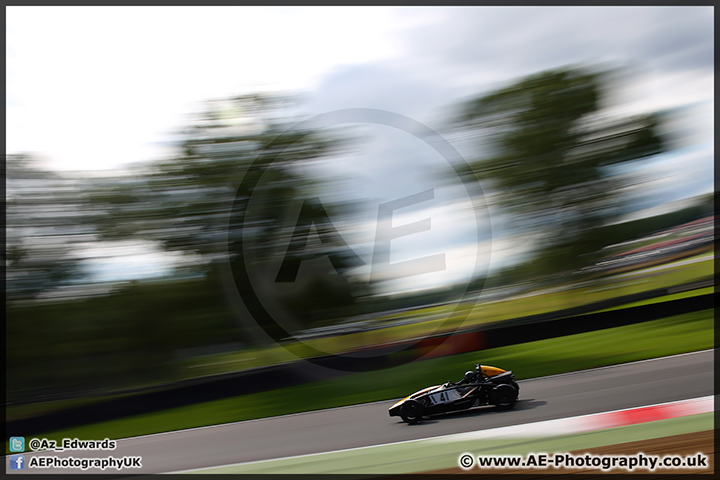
<point x="17" y="462"/>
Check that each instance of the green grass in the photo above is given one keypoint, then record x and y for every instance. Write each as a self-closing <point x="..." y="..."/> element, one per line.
<point x="675" y="296"/>
<point x="480" y="314"/>
<point x="603" y="289"/>
<point x="672" y="335"/>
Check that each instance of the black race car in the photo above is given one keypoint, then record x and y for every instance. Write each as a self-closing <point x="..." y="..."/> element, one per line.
<point x="485" y="386"/>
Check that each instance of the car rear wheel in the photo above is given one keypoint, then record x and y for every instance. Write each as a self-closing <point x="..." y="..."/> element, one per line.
<point x="411" y="412"/>
<point x="517" y="389"/>
<point x="504" y="396"/>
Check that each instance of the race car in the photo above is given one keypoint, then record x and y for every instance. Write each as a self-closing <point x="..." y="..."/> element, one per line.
<point x="485" y="386"/>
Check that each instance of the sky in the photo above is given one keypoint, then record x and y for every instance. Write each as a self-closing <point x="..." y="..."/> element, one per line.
<point x="106" y="88"/>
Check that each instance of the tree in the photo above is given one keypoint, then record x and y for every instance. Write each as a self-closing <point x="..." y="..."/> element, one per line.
<point x="45" y="221"/>
<point x="185" y="203"/>
<point x="548" y="149"/>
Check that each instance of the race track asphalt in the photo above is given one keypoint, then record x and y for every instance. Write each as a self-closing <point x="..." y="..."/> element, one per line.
<point x="608" y="388"/>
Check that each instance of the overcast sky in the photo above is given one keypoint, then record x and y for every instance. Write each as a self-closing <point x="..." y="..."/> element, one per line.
<point x="93" y="88"/>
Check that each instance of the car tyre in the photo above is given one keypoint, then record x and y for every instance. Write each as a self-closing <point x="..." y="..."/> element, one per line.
<point x="411" y="412"/>
<point x="504" y="396"/>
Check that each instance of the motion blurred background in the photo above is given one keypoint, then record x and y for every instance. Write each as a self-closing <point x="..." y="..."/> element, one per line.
<point x="131" y="132"/>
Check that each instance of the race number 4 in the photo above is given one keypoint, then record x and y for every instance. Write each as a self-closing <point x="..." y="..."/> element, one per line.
<point x="446" y="396"/>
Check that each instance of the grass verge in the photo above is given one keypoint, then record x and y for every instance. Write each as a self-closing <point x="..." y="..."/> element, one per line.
<point x="668" y="336"/>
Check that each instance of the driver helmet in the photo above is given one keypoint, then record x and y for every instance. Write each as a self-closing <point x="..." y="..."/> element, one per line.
<point x="469" y="374"/>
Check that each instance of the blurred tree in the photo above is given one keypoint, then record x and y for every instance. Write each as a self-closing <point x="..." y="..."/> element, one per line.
<point x="184" y="203"/>
<point x="548" y="147"/>
<point x="130" y="337"/>
<point x="134" y="333"/>
<point x="42" y="214"/>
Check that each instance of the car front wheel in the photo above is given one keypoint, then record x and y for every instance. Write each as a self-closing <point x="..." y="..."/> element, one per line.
<point x="411" y="412"/>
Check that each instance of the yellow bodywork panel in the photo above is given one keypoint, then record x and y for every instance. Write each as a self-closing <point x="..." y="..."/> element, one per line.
<point x="489" y="371"/>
